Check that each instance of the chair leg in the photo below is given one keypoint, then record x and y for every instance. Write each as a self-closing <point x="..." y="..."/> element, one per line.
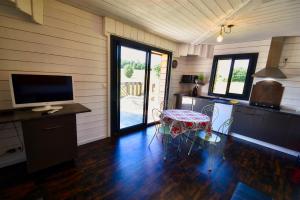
<point x="201" y="144"/>
<point x="192" y="145"/>
<point x="210" y="157"/>
<point x="165" y="146"/>
<point x="212" y="152"/>
<point x="179" y="144"/>
<point x="187" y="137"/>
<point x="152" y="138"/>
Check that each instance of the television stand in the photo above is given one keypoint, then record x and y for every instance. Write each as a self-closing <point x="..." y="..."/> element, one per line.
<point x="46" y="108"/>
<point x="49" y="139"/>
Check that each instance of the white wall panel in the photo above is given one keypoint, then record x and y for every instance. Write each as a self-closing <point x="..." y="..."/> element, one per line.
<point x="69" y="42"/>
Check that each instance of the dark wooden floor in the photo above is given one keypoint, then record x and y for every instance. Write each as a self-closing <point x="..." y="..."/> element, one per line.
<point x="127" y="169"/>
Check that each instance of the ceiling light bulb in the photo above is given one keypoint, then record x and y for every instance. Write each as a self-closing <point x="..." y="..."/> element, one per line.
<point x="220" y="38"/>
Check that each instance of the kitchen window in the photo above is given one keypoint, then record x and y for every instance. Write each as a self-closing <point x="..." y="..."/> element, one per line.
<point x="231" y="75"/>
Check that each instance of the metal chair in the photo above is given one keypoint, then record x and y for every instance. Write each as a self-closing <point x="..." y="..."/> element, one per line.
<point x="161" y="106"/>
<point x="168" y="105"/>
<point x="210" y="111"/>
<point x="215" y="136"/>
<point x="215" y="140"/>
<point x="164" y="129"/>
<point x="160" y="127"/>
<point x="167" y="137"/>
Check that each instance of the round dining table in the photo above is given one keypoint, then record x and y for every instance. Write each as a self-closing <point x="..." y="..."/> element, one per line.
<point x="181" y="121"/>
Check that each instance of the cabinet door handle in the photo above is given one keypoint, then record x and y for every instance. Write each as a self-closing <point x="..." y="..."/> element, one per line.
<point x="52" y="128"/>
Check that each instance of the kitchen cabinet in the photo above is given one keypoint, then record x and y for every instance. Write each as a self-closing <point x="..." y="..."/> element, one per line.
<point x="275" y="128"/>
<point x="187" y="103"/>
<point x="263" y="125"/>
<point x="293" y="136"/>
<point x="247" y="122"/>
<point x="49" y="141"/>
<point x="191" y="103"/>
<point x="200" y="103"/>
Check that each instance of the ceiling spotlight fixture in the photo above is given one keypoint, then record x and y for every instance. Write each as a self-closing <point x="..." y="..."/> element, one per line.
<point x="224" y="29"/>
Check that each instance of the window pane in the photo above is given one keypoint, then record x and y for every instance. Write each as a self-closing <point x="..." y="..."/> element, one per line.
<point x="222" y="75"/>
<point x="239" y="75"/>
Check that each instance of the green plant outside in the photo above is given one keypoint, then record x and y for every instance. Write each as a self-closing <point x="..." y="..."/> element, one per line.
<point x="129" y="70"/>
<point x="130" y="66"/>
<point x="157" y="69"/>
<point x="239" y="74"/>
<point x="135" y="65"/>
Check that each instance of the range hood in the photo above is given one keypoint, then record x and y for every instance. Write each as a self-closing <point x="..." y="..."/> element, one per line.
<point x="272" y="67"/>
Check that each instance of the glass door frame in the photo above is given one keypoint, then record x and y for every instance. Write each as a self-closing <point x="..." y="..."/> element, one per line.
<point x="115" y="81"/>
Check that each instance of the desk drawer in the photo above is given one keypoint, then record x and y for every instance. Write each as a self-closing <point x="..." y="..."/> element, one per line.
<point x="49" y="141"/>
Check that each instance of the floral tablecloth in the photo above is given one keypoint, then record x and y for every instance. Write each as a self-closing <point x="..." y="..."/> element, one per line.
<point x="182" y="121"/>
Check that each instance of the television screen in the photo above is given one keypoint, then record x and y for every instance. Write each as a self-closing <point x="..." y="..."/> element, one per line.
<point x="30" y="88"/>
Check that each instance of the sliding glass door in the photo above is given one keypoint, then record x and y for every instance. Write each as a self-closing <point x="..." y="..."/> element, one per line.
<point x="157" y="82"/>
<point x="139" y="83"/>
<point x="132" y="86"/>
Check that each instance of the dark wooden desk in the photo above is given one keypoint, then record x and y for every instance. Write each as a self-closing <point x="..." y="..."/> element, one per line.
<point x="49" y="139"/>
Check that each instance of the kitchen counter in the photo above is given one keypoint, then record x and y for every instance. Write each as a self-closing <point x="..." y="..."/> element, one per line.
<point x="245" y="104"/>
<point x="283" y="110"/>
<point x="276" y="129"/>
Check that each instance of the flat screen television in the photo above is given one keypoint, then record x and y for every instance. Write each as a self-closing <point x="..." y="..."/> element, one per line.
<point x="33" y="90"/>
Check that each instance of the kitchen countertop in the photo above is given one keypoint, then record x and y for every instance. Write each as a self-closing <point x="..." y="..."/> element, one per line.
<point x="246" y="104"/>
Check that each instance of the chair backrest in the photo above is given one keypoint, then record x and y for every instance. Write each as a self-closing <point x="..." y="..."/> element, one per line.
<point x="211" y="111"/>
<point x="225" y="125"/>
<point x="208" y="109"/>
<point x="162" y="106"/>
<point x="156" y="115"/>
<point x="166" y="105"/>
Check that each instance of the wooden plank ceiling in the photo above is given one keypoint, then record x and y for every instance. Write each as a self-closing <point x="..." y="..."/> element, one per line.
<point x="198" y="21"/>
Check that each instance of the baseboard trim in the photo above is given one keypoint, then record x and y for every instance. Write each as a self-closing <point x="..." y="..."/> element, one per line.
<point x="82" y="142"/>
<point x="268" y="145"/>
<point x="12" y="158"/>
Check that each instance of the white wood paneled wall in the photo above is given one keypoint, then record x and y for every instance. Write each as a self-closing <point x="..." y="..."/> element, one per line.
<point x="194" y="65"/>
<point x="291" y="51"/>
<point x="34" y="8"/>
<point x="118" y="28"/>
<point x="261" y="47"/>
<point x="71" y="41"/>
<point x="188" y="65"/>
<point x="201" y="50"/>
